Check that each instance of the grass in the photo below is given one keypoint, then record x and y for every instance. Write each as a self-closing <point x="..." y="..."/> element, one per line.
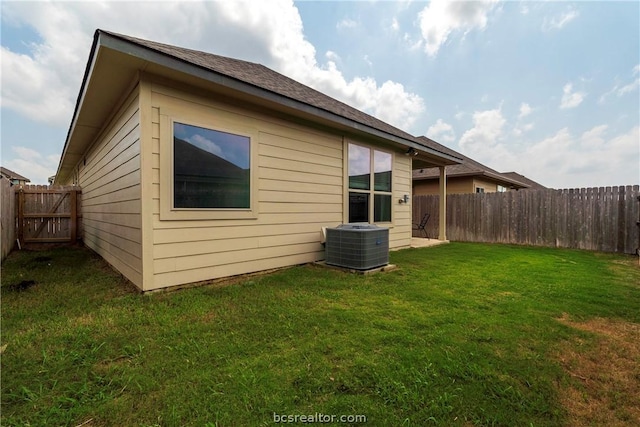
<point x="460" y="334"/>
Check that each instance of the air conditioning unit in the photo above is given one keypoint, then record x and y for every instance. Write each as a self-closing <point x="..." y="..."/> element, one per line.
<point x="358" y="246"/>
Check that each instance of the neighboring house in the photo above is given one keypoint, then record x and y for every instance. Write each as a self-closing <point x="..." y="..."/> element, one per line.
<point x="15" y="178"/>
<point x="195" y="166"/>
<point x="468" y="177"/>
<point x="51" y="179"/>
<point x="523" y="179"/>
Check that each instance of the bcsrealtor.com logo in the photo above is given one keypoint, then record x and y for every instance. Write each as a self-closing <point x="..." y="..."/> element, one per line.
<point x="318" y="418"/>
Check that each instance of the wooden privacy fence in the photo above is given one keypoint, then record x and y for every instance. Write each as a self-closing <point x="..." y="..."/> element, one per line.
<point x="8" y="219"/>
<point x="48" y="214"/>
<point x="601" y="219"/>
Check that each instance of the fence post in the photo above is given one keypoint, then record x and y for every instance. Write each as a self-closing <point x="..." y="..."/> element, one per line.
<point x="73" y="231"/>
<point x="442" y="232"/>
<point x="20" y="195"/>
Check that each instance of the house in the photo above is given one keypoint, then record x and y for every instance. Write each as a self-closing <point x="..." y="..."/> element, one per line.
<point x="15" y="178"/>
<point x="195" y="166"/>
<point x="533" y="185"/>
<point x="468" y="177"/>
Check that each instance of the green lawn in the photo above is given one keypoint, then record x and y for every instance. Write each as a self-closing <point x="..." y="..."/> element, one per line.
<point x="460" y="334"/>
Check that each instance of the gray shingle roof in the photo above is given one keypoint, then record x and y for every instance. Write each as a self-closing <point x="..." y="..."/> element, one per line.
<point x="521" y="178"/>
<point x="265" y="78"/>
<point x="468" y="167"/>
<point x="13" y="175"/>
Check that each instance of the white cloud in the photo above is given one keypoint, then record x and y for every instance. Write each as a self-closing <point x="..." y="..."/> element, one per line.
<point x="628" y="88"/>
<point x="394" y="105"/>
<point x="32" y="164"/>
<point x="346" y="23"/>
<point x="441" y="132"/>
<point x="559" y="21"/>
<point x="571" y="99"/>
<point x="594" y="137"/>
<point x="44" y="84"/>
<point x="442" y="17"/>
<point x="485" y="133"/>
<point x="525" y="110"/>
<point x="332" y="56"/>
<point x="394" y="24"/>
<point x="519" y="130"/>
<point x="563" y="160"/>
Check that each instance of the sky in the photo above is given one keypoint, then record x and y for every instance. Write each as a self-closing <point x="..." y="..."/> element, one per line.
<point x="548" y="89"/>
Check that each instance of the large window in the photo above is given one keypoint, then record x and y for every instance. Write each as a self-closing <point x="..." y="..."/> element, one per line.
<point x="369" y="193"/>
<point x="211" y="169"/>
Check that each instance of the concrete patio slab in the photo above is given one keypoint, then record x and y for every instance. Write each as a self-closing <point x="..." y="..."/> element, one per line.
<point x="418" y="242"/>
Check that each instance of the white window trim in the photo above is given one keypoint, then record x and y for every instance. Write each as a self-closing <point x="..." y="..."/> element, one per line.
<point x="203" y="119"/>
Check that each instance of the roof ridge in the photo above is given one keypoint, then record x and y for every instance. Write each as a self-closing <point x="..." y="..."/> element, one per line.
<point x="171" y="46"/>
<point x="354" y="113"/>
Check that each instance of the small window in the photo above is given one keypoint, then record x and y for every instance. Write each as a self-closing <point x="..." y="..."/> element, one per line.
<point x="362" y="161"/>
<point x="479" y="190"/>
<point x="211" y="169"/>
<point x="502" y="189"/>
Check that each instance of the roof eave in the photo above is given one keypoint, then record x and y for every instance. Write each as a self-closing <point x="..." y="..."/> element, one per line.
<point x="146" y="54"/>
<point x="513" y="183"/>
<point x="178" y="64"/>
<point x="81" y="95"/>
<point x="502" y="180"/>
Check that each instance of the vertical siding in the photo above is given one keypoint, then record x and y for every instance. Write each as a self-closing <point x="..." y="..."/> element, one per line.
<point x="300" y="190"/>
<point x="109" y="177"/>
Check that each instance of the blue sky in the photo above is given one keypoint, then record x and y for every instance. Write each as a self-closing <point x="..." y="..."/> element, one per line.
<point x="547" y="89"/>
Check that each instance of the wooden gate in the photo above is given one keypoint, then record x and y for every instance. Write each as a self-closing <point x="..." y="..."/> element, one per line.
<point x="48" y="214"/>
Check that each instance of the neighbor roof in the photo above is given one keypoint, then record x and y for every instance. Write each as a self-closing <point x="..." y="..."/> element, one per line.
<point x="242" y="79"/>
<point x="531" y="183"/>
<point x="468" y="167"/>
<point x="13" y="175"/>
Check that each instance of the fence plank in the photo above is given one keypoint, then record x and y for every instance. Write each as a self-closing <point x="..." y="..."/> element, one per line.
<point x="8" y="219"/>
<point x="48" y="214"/>
<point x="602" y="219"/>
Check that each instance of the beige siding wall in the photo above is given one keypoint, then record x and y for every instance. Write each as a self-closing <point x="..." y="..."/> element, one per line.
<point x="460" y="185"/>
<point x="109" y="177"/>
<point x="454" y="186"/>
<point x="300" y="190"/>
<point x="400" y="232"/>
<point x="489" y="186"/>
